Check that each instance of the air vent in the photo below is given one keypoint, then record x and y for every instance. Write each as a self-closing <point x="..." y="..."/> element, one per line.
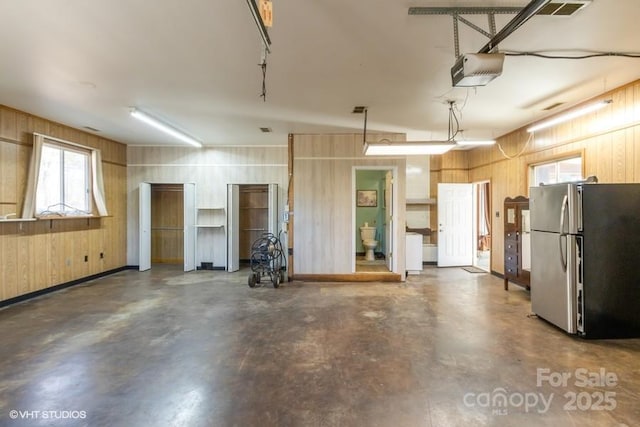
<point x="552" y="106"/>
<point x="266" y="130"/>
<point x="359" y="109"/>
<point x="563" y="8"/>
<point x="91" y="129"/>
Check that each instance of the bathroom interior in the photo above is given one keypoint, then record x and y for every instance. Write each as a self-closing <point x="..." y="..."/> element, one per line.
<point x="370" y="220"/>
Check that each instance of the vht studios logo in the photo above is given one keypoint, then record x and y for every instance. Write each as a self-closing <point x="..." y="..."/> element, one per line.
<point x="598" y="398"/>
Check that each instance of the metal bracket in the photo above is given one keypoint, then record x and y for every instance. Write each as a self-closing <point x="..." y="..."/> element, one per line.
<point x="456" y="12"/>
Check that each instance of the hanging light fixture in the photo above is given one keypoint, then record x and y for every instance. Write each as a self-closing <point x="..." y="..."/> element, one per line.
<point x="164" y="127"/>
<point x="466" y="142"/>
<point x="570" y="115"/>
<point x="407" y="148"/>
<point x="386" y="147"/>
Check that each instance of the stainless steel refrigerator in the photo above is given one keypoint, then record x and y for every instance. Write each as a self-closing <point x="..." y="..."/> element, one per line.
<point x="585" y="258"/>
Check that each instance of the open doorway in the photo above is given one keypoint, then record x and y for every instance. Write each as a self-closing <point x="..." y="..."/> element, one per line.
<point x="373" y="213"/>
<point x="482" y="225"/>
<point x="252" y="211"/>
<point x="166" y="225"/>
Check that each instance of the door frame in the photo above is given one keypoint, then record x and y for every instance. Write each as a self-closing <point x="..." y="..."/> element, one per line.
<point x="144" y="224"/>
<point x="451" y="260"/>
<point x="476" y="217"/>
<point x="233" y="220"/>
<point x="394" y="213"/>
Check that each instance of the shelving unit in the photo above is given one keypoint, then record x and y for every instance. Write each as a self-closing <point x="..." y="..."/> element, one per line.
<point x="514" y="229"/>
<point x="420" y="202"/>
<point x="210" y="226"/>
<point x="254" y="216"/>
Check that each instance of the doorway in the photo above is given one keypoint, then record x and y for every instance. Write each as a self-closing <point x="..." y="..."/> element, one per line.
<point x="482" y="225"/>
<point x="373" y="195"/>
<point x="166" y="225"/>
<point x="252" y="211"/>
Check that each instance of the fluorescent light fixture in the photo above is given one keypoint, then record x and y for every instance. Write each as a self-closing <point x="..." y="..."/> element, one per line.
<point x="570" y="115"/>
<point x="407" y="148"/>
<point x="156" y="123"/>
<point x="474" y="143"/>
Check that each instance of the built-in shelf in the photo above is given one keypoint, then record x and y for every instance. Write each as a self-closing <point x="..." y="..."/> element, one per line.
<point x="430" y="201"/>
<point x="210" y="228"/>
<point x="60" y="218"/>
<point x="17" y="219"/>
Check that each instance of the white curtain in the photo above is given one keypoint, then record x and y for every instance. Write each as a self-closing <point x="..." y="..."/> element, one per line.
<point x="98" y="183"/>
<point x="29" y="207"/>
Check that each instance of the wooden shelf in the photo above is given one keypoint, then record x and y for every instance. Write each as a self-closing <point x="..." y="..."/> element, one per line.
<point x="430" y="201"/>
<point x="64" y="218"/>
<point x="209" y="225"/>
<point x="17" y="220"/>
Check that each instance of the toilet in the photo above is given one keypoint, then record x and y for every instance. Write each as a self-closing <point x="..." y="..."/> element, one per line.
<point x="368" y="236"/>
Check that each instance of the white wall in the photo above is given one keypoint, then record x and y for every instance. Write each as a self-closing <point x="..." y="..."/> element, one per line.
<point x="418" y="174"/>
<point x="211" y="169"/>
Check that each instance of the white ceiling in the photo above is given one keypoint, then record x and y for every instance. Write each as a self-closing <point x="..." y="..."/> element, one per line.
<point x="195" y="63"/>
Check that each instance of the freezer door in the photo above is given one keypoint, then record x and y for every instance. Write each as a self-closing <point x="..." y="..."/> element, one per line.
<point x="553" y="287"/>
<point x="555" y="208"/>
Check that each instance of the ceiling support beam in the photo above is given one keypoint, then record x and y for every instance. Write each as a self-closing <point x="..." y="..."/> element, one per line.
<point x="523" y="16"/>
<point x="464" y="10"/>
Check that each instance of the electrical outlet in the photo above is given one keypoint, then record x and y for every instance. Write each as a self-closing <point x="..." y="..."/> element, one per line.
<point x="101" y="255"/>
<point x="86" y="258"/>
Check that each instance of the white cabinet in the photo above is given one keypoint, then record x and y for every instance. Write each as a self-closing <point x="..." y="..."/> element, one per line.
<point x="210" y="234"/>
<point x="414" y="253"/>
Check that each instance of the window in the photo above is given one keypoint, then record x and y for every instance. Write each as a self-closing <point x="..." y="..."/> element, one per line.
<point x="565" y="170"/>
<point x="64" y="181"/>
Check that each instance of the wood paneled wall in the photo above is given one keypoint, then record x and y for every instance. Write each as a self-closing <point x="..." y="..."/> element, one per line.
<point x="608" y="140"/>
<point x="323" y="212"/>
<point x="40" y="254"/>
<point x="211" y="169"/>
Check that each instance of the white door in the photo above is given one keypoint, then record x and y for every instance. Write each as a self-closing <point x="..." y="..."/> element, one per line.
<point x="189" y="197"/>
<point x="144" y="254"/>
<point x="273" y="209"/>
<point x="233" y="227"/>
<point x="388" y="220"/>
<point x="455" y="225"/>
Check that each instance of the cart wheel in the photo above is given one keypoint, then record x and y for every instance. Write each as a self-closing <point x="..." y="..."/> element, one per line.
<point x="282" y="276"/>
<point x="276" y="280"/>
<point x="252" y="280"/>
<point x="258" y="275"/>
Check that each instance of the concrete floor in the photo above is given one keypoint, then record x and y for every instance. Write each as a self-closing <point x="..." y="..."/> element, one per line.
<point x="164" y="348"/>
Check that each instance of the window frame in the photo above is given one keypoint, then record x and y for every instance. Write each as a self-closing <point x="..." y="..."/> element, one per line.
<point x="65" y="146"/>
<point x="555" y="159"/>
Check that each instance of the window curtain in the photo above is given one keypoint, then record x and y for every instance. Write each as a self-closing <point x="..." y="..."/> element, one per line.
<point x="484" y="225"/>
<point x="29" y="207"/>
<point x="98" y="183"/>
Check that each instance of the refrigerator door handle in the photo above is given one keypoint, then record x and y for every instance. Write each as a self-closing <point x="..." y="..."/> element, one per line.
<point x="561" y="234"/>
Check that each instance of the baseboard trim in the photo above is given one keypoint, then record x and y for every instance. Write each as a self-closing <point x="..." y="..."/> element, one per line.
<point x="30" y="295"/>
<point x="352" y="277"/>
